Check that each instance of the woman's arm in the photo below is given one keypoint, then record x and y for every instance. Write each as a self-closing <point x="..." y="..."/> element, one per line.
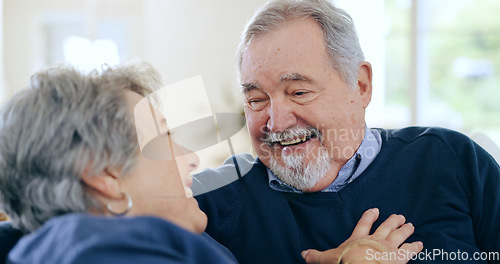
<point x="385" y="245"/>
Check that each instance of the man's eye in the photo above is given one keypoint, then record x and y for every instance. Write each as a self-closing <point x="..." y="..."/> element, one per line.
<point x="300" y="93"/>
<point x="256" y="104"/>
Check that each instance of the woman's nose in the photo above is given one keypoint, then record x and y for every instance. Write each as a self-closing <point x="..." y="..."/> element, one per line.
<point x="193" y="161"/>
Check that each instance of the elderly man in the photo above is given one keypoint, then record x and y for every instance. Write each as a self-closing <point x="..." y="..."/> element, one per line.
<point x="306" y="87"/>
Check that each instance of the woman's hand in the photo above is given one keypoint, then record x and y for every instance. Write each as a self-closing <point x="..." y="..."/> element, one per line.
<point x="361" y="247"/>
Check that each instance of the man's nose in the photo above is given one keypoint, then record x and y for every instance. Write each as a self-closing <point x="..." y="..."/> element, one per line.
<point x="281" y="116"/>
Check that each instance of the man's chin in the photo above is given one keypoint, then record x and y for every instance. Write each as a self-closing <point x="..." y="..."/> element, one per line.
<point x="300" y="173"/>
<point x="299" y="182"/>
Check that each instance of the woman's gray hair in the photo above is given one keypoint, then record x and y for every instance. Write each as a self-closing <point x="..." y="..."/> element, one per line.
<point x="340" y="34"/>
<point x="65" y="124"/>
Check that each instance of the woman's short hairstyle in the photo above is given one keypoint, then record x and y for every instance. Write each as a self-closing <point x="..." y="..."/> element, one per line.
<point x="64" y="124"/>
<point x="340" y="34"/>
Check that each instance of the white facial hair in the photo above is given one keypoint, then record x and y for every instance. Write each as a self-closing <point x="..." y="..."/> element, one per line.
<point x="297" y="173"/>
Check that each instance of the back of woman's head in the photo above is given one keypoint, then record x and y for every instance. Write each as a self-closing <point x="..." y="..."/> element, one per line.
<point x="65" y="124"/>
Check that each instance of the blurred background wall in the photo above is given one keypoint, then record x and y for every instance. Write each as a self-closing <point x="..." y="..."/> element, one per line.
<point x="435" y="62"/>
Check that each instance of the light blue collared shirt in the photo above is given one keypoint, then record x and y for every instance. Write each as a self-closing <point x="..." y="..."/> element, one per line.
<point x="357" y="164"/>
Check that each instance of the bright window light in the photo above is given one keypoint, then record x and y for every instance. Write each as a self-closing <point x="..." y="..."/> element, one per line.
<point x="87" y="54"/>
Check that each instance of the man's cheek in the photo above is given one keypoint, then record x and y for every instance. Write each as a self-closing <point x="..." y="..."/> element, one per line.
<point x="265" y="152"/>
<point x="262" y="130"/>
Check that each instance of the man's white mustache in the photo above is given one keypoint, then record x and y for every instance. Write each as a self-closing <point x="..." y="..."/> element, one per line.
<point x="291" y="133"/>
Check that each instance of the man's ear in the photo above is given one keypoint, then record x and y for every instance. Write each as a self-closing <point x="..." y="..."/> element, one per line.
<point x="105" y="184"/>
<point x="365" y="83"/>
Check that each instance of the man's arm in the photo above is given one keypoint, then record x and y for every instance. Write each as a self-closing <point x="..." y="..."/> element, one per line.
<point x="482" y="177"/>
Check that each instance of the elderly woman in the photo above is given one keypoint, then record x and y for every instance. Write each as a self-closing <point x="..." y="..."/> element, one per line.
<point x="77" y="172"/>
<point x="70" y="158"/>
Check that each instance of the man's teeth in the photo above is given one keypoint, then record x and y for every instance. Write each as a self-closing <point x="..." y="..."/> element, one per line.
<point x="293" y="141"/>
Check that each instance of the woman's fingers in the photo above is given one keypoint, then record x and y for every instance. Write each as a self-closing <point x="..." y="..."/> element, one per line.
<point x="313" y="256"/>
<point x="364" y="224"/>
<point x="388" y="226"/>
<point x="411" y="249"/>
<point x="388" y="236"/>
<point x="398" y="236"/>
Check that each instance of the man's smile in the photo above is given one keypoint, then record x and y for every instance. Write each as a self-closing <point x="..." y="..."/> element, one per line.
<point x="296" y="140"/>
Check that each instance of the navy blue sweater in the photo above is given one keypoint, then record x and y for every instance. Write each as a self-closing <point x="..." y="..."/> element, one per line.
<point x="440" y="180"/>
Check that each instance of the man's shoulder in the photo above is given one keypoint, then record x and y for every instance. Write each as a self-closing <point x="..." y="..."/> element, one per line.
<point x="234" y="168"/>
<point x="413" y="134"/>
<point x="242" y="161"/>
<point x="437" y="141"/>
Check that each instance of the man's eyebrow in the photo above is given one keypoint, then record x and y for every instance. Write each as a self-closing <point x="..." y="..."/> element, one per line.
<point x="247" y="87"/>
<point x="294" y="77"/>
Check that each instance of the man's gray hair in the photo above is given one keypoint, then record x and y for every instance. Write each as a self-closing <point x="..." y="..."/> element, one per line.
<point x="65" y="124"/>
<point x="340" y="34"/>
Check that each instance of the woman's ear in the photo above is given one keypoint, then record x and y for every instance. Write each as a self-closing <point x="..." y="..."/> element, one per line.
<point x="105" y="184"/>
